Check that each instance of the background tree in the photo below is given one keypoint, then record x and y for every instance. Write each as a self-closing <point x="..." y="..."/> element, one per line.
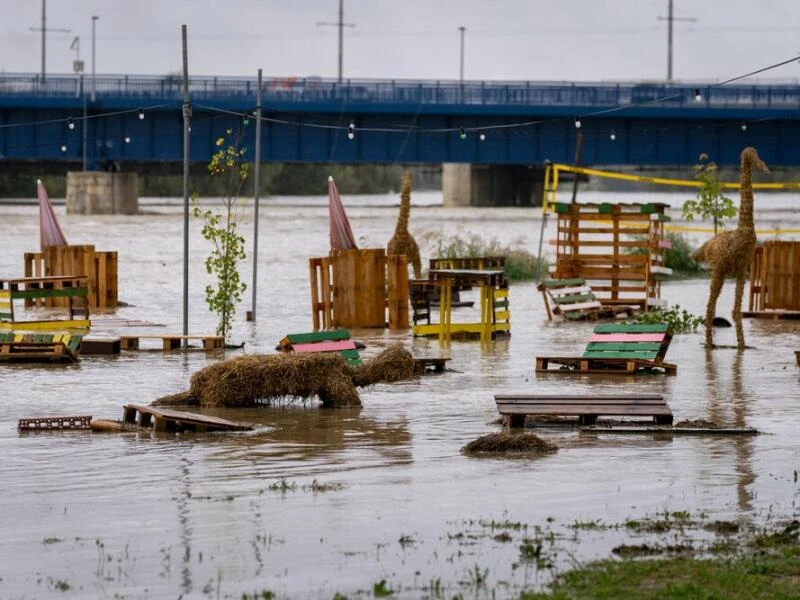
<point x="220" y="227"/>
<point x="710" y="203"/>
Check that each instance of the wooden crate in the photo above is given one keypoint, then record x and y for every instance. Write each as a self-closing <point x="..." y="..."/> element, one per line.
<point x="775" y="277"/>
<point x="99" y="269"/>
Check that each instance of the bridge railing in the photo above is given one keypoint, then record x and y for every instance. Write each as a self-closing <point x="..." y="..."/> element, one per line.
<point x="408" y="92"/>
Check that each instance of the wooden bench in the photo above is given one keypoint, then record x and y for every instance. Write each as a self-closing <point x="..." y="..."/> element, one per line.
<point x="333" y="340"/>
<point x="172" y="342"/>
<point x="423" y="366"/>
<point x="514" y="408"/>
<point x="39" y="347"/>
<point x="574" y="300"/>
<point x="623" y="349"/>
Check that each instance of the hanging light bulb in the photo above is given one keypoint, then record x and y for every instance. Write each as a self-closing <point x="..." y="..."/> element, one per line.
<point x="744" y="126"/>
<point x="245" y="120"/>
<point x="481" y="136"/>
<point x="697" y="96"/>
<point x="462" y="134"/>
<point x="613" y="135"/>
<point x="577" y="123"/>
<point x="351" y="131"/>
<point x="63" y="147"/>
<point x="127" y="139"/>
<point x="141" y="114"/>
<point x="70" y="123"/>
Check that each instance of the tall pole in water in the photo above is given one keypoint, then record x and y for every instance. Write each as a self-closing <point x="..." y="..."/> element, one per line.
<point x="256" y="190"/>
<point x="187" y="115"/>
<point x="94" y="89"/>
<point x="462" y="29"/>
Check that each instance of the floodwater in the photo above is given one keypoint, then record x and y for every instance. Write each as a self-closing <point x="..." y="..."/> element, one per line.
<point x="313" y="503"/>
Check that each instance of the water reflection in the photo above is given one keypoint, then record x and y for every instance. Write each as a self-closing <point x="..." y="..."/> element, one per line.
<point x="724" y="394"/>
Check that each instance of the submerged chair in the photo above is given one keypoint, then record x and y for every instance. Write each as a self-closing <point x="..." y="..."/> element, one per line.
<point x="624" y="349"/>
<point x="574" y="300"/>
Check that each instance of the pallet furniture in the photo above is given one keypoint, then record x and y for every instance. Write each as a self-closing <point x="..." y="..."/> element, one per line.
<point x="617" y="349"/>
<point x="357" y="288"/>
<point x="172" y="342"/>
<point x="334" y="340"/>
<point x="423" y="366"/>
<point x="619" y="248"/>
<point x="39" y="347"/>
<point x="161" y="419"/>
<point x="495" y="317"/>
<point x="513" y="408"/>
<point x="98" y="268"/>
<point x="775" y="281"/>
<point x="54" y="423"/>
<point x="574" y="300"/>
<point x="93" y="345"/>
<point x="72" y="290"/>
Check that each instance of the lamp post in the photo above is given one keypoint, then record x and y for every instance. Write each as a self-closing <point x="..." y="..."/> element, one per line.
<point x="94" y="90"/>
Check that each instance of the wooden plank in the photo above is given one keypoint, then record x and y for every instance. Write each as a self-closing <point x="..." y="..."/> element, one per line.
<point x="577" y="398"/>
<point x="318" y="336"/>
<point x="623" y="346"/>
<point x="130" y="410"/>
<point x="325" y="346"/>
<point x="557" y="283"/>
<point x="554" y="409"/>
<point x="579" y="306"/>
<point x="624" y="354"/>
<point x="626" y="337"/>
<point x="572" y="298"/>
<point x="631" y="328"/>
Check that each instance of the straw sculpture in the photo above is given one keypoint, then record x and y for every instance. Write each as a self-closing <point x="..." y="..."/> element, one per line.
<point x="402" y="242"/>
<point x="260" y="379"/>
<point x="729" y="253"/>
<point x="509" y="443"/>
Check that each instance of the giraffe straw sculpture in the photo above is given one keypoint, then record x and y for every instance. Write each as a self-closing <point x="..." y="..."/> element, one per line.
<point x="402" y="242"/>
<point x="730" y="252"/>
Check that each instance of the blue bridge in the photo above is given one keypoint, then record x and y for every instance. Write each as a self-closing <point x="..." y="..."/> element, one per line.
<point x="139" y="119"/>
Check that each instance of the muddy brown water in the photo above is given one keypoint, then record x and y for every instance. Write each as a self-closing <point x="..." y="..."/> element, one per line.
<point x="315" y="502"/>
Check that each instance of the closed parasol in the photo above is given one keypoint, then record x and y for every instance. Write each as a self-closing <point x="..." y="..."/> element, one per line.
<point x="342" y="237"/>
<point x="50" y="233"/>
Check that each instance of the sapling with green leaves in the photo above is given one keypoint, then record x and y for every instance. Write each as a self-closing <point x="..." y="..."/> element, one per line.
<point x="710" y="203"/>
<point x="220" y="228"/>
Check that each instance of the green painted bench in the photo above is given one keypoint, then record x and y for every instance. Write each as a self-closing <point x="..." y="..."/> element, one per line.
<point x="617" y="348"/>
<point x="574" y="300"/>
<point x="333" y="340"/>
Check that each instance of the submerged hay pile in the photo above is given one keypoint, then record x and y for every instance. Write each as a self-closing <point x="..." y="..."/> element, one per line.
<point x="259" y="379"/>
<point x="509" y="443"/>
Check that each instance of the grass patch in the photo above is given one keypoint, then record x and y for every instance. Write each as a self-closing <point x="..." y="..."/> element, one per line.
<point x="768" y="566"/>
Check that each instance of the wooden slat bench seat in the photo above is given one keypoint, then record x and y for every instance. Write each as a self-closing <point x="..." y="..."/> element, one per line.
<point x="171" y="342"/>
<point x="514" y="408"/>
<point x="574" y="300"/>
<point x="623" y="348"/>
<point x="332" y="340"/>
<point x="39" y="347"/>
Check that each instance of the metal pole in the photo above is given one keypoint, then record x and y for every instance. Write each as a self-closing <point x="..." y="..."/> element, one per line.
<point x="44" y="37"/>
<point x="94" y="89"/>
<point x="462" y="29"/>
<point x="669" y="41"/>
<point x="341" y="37"/>
<point x="187" y="115"/>
<point x="84" y="124"/>
<point x="256" y="191"/>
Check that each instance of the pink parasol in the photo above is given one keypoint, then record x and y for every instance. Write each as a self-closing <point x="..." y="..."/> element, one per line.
<point x="342" y="237"/>
<point x="50" y="233"/>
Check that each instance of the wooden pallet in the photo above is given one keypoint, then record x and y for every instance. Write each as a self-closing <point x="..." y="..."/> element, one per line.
<point x="54" y="423"/>
<point x="172" y="342"/>
<point x="617" y="349"/>
<point x="332" y="340"/>
<point x="161" y="419"/>
<point x="574" y="300"/>
<point x="514" y="408"/>
<point x="429" y="365"/>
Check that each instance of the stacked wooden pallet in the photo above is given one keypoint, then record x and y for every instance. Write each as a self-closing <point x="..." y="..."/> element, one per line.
<point x="333" y="340"/>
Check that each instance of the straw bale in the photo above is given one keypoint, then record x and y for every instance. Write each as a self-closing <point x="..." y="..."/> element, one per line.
<point x="509" y="443"/>
<point x="252" y="380"/>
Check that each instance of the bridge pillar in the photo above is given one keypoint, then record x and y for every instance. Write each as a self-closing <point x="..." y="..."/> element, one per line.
<point x="492" y="185"/>
<point x="102" y="193"/>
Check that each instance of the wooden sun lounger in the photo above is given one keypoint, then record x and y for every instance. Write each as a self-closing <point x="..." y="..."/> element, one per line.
<point x="574" y="300"/>
<point x="514" y="408"/>
<point x="612" y="349"/>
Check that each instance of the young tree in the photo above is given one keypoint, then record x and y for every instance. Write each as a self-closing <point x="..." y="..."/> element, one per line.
<point x="710" y="203"/>
<point x="220" y="227"/>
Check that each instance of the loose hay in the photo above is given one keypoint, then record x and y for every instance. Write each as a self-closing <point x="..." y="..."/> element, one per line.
<point x="509" y="443"/>
<point x="247" y="381"/>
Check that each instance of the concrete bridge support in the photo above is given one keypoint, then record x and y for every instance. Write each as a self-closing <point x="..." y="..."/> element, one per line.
<point x="102" y="193"/>
<point x="492" y="185"/>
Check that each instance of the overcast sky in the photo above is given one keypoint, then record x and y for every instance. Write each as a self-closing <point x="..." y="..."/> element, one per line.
<point x="562" y="40"/>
